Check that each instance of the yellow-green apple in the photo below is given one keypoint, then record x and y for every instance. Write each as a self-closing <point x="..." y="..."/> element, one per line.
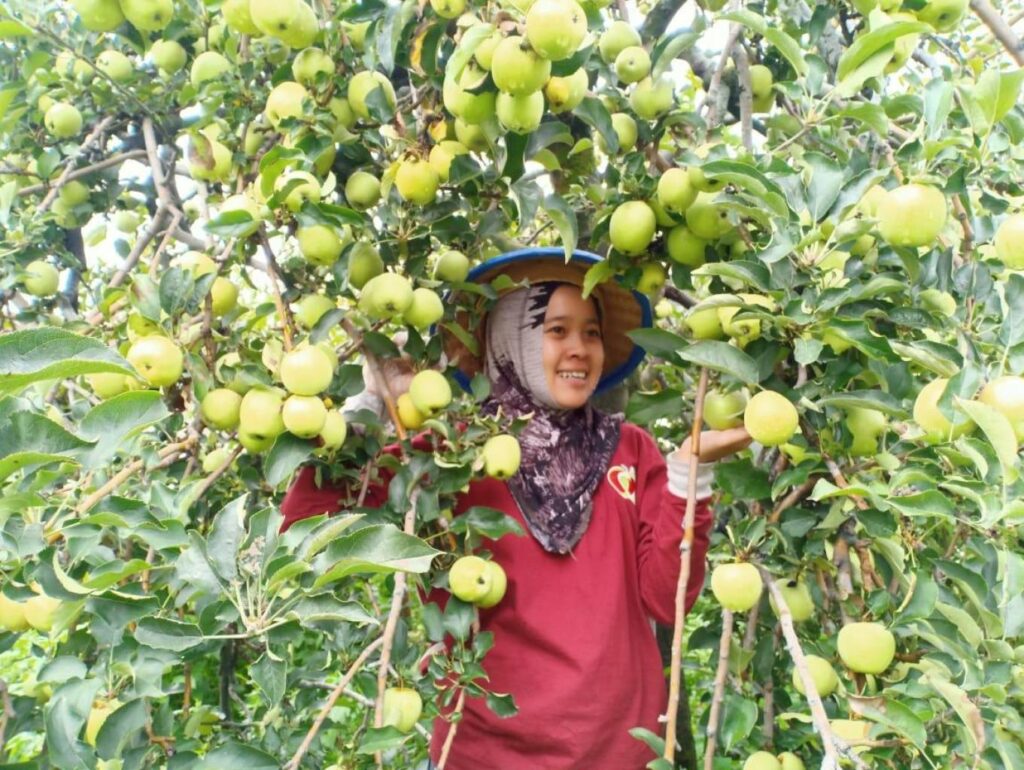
<point x="1009" y="242"/>
<point x="311" y="308"/>
<point x="566" y="93"/>
<point x="223" y="296"/>
<point x="912" y="215"/>
<point x="209" y="65"/>
<point x="303" y="32"/>
<point x="219" y="408"/>
<point x="824" y="676"/>
<point x="707" y="219"/>
<point x="101" y="709"/>
<point x="259" y="415"/>
<point x="652" y="97"/>
<point x="867" y="648"/>
<point x="126" y="221"/>
<point x="169" y="56"/>
<point x="209" y="160"/>
<point x="469" y="579"/>
<point x="304" y="416"/>
<point x="311" y="62"/>
<point x="157" y="359"/>
<point x="737" y="586"/>
<point x="448" y="9"/>
<point x="484" y="52"/>
<point x="518" y="69"/>
<point x="939" y="301"/>
<point x="943" y="15"/>
<point x="618" y="36"/>
<point x="332" y="434"/>
<point x="362" y="85"/>
<point x="762" y="760"/>
<point x="386" y="296"/>
<point x="705" y="324"/>
<point x="499" y="584"/>
<point x="321" y="244"/>
<point x="99" y="15"/>
<point x="239" y="18"/>
<point x="472" y="137"/>
<point x="63" y="120"/>
<point x="520" y="114"/>
<point x="364" y="263"/>
<point x="770" y="418"/>
<point x="652" y="278"/>
<point x="625" y="131"/>
<point x="791" y="761"/>
<point x="115" y="65"/>
<point x="215" y="459"/>
<point x="417" y="181"/>
<point x="362" y="190"/>
<point x="760" y="81"/>
<point x="675" y="190"/>
<point x="704" y="183"/>
<point x="148" y="15"/>
<point x="743" y="330"/>
<point x="931" y="419"/>
<point x="426" y="309"/>
<point x="724" y="410"/>
<point x="12" y="614"/>
<point x="307" y="189"/>
<point x="430" y="392"/>
<point x="501" y="455"/>
<point x="555" y="28"/>
<point x="107" y="384"/>
<point x="306" y="371"/>
<point x="1006" y="395"/>
<point x="797" y="597"/>
<point x="40" y="278"/>
<point x="865" y="426"/>
<point x="632" y="227"/>
<point x="274" y="17"/>
<point x="684" y="247"/>
<point x="441" y="156"/>
<point x="40" y="611"/>
<point x="410" y="417"/>
<point x="633" y="64"/>
<point x="852" y="731"/>
<point x="285" y="101"/>
<point x="401" y="708"/>
<point x="452" y="266"/>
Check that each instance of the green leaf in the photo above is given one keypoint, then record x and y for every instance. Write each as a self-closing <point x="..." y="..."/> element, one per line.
<point x="31" y="439"/>
<point x="287" y="454"/>
<point x="866" y="399"/>
<point x="238" y="756"/>
<point x="472" y="38"/>
<point x="488" y="522"/>
<point x="646" y="408"/>
<point x="870" y="115"/>
<point x="998" y="431"/>
<point x="120" y="727"/>
<point x="923" y="504"/>
<point x="739" y="715"/>
<point x="114" y="421"/>
<point x="378" y="548"/>
<point x="327" y="608"/>
<point x="940" y="359"/>
<point x="233" y="224"/>
<point x="895" y="716"/>
<point x="597" y="274"/>
<point x="870" y="44"/>
<point x="827" y="179"/>
<point x="325" y="533"/>
<point x="748" y="19"/>
<point x="658" y="342"/>
<point x="167" y="634"/>
<point x="750" y="179"/>
<point x="381" y="739"/>
<point x="50" y="353"/>
<point x="669" y="48"/>
<point x="593" y="112"/>
<point x="565" y="220"/>
<point x="722" y="357"/>
<point x="226" y="535"/>
<point x="965" y="624"/>
<point x="969" y="714"/>
<point x="922" y="601"/>
<point x="788" y="47"/>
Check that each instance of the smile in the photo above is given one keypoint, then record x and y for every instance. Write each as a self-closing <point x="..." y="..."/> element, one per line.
<point x="573" y="375"/>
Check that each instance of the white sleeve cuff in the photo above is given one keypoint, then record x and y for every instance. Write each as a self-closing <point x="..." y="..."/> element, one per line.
<point x="679" y="477"/>
<point x="364" y="400"/>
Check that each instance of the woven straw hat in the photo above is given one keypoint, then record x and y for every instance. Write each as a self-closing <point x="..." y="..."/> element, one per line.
<point x="622" y="310"/>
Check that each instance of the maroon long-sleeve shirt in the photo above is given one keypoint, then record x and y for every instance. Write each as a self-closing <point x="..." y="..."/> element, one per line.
<point x="573" y="640"/>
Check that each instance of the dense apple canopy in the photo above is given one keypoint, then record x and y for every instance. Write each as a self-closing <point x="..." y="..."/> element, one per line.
<point x="223" y="221"/>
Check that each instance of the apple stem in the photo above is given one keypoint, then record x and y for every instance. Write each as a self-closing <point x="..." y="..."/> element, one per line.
<point x="331" y="699"/>
<point x="719" y="691"/>
<point x="685" y="552"/>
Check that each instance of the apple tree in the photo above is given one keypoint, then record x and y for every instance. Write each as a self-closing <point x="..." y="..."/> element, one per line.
<point x="221" y="219"/>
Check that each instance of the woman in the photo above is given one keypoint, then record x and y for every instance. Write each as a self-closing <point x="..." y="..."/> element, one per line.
<point x="573" y="641"/>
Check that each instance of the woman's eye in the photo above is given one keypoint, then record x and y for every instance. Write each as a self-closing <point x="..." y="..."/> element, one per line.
<point x="556" y="329"/>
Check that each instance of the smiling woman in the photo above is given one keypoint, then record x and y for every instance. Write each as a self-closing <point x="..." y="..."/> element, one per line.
<point x="603" y="512"/>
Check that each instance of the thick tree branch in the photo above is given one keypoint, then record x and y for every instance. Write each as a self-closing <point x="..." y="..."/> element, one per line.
<point x="1003" y="33"/>
<point x="719" y="690"/>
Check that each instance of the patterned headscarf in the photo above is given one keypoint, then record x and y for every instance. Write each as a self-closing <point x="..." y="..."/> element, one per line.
<point x="565" y="452"/>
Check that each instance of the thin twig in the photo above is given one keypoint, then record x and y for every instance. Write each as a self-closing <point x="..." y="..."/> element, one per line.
<point x="78" y="173"/>
<point x="449" y="739"/>
<point x="329" y="703"/>
<point x="685" y="554"/>
<point x="93" y="136"/>
<point x="283" y="311"/>
<point x="1000" y="29"/>
<point x="719" y="690"/>
<point x="795" y="496"/>
<point x="167" y="457"/>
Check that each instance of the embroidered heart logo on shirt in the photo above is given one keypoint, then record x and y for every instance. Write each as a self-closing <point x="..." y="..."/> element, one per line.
<point x="623" y="481"/>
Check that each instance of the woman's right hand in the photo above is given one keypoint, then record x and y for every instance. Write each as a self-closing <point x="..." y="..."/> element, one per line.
<point x="396" y="373"/>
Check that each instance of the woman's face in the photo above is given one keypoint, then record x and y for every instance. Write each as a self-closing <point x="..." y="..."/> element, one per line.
<point x="573" y="349"/>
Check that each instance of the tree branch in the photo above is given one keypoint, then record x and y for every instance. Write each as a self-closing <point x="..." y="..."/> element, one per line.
<point x="78" y="173"/>
<point x="719" y="690"/>
<point x="93" y="136"/>
<point x="449" y="739"/>
<point x="1000" y="29"/>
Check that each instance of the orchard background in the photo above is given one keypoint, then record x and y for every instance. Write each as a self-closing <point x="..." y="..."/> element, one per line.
<point x="164" y="177"/>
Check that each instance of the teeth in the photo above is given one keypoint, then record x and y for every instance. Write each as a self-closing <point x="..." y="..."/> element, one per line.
<point x="573" y="375"/>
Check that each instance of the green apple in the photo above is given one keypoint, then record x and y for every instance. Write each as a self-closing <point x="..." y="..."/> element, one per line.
<point x="451" y="266"/>
<point x="63" y="120"/>
<point x="40" y="278"/>
<point x="762" y="760"/>
<point x="770" y="418"/>
<point x="333" y="433"/>
<point x="737" y="586"/>
<point x="107" y="384"/>
<point x="760" y="81"/>
<point x="517" y="69"/>
<point x="148" y="15"/>
<point x="1006" y="395"/>
<point x="441" y="156"/>
<point x="469" y="579"/>
<point x="12" y="614"/>
<point x="724" y="410"/>
<point x="824" y="676"/>
<point x="40" y="611"/>
<point x="362" y="85"/>
<point x="632" y="64"/>
<point x="285" y="101"/>
<point x="676" y="191"/>
<point x="401" y="707"/>
<point x="867" y="648"/>
<point x="705" y="324"/>
<point x="472" y="137"/>
<point x="362" y="190"/>
<point x="322" y="245"/>
<point x="238" y="17"/>
<point x="219" y="408"/>
<point x="941" y="302"/>
<point x="931" y="419"/>
<point x="157" y="359"/>
<point x="417" y="181"/>
<point x="430" y="392"/>
<point x="791" y="761"/>
<point x="208" y="159"/>
<point x="74" y="193"/>
<point x="652" y="98"/>
<point x="208" y="65"/>
<point x="484" y="53"/>
<point x="943" y="15"/>
<point x="223" y="296"/>
<point x="274" y="17"/>
<point x="125" y="221"/>
<point x="364" y="263"/>
<point x="912" y="215"/>
<point x="306" y="371"/>
<point x="564" y="94"/>
<point x="448" y="9"/>
<point x="168" y="55"/>
<point x="356" y="33"/>
<point x="259" y="416"/>
<point x="303" y="32"/>
<point x="501" y="455"/>
<point x="652" y="278"/>
<point x="304" y="416"/>
<point x="99" y="15"/>
<point x="555" y="28"/>
<point x="308" y="189"/>
<point x="499" y="584"/>
<point x="706" y="219"/>
<point x="702" y="182"/>
<point x="850" y="730"/>
<point x="255" y="443"/>
<point x="410" y="417"/>
<point x="798" y="600"/>
<point x="101" y="709"/>
<point x="115" y="65"/>
<point x="1009" y="242"/>
<point x="215" y="459"/>
<point x="865" y="426"/>
<point x="745" y="329"/>
<point x="386" y="296"/>
<point x="632" y="227"/>
<point x="619" y="36"/>
<point x="520" y="114"/>
<point x="310" y="63"/>
<point x="426" y="309"/>
<point x="684" y="247"/>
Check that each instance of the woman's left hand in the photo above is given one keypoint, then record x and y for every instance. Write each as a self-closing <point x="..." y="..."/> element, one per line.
<point x="716" y="444"/>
